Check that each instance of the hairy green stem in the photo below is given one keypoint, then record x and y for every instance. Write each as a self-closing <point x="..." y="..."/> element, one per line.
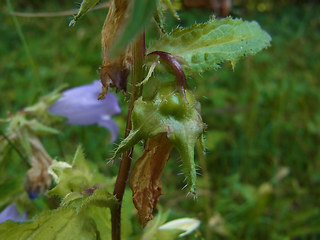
<point x="123" y="173"/>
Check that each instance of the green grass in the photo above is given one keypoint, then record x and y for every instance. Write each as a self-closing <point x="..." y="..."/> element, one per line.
<point x="262" y="117"/>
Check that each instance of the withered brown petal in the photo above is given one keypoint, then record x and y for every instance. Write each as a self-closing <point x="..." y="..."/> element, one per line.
<point x="115" y="71"/>
<point x="145" y="181"/>
<point x="118" y="77"/>
<point x="38" y="180"/>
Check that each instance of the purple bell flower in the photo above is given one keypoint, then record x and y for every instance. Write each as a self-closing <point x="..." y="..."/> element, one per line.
<point x="11" y="213"/>
<point x="81" y="107"/>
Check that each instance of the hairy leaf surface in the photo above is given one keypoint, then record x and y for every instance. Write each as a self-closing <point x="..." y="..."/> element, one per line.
<point x="59" y="224"/>
<point x="75" y="178"/>
<point x="205" y="46"/>
<point x="76" y="220"/>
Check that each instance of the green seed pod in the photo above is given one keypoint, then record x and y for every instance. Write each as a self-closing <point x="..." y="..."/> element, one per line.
<point x="172" y="113"/>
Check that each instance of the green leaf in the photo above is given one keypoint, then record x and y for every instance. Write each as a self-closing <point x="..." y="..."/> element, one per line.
<point x="68" y="179"/>
<point x="158" y="13"/>
<point x="84" y="7"/>
<point x="102" y="217"/>
<point x="76" y="220"/>
<point x="158" y="16"/>
<point x="63" y="223"/>
<point x="75" y="178"/>
<point x="169" y="112"/>
<point x="170" y="6"/>
<point x="139" y="17"/>
<point x="99" y="198"/>
<point x="41" y="129"/>
<point x="40" y="109"/>
<point x="205" y="46"/>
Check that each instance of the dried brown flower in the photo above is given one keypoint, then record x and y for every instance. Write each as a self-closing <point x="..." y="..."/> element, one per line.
<point x="38" y="179"/>
<point x="145" y="177"/>
<point x="115" y="71"/>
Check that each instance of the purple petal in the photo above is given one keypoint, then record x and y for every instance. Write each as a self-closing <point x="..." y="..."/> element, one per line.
<point x="33" y="194"/>
<point x="11" y="213"/>
<point x="111" y="103"/>
<point x="109" y="124"/>
<point x="81" y="106"/>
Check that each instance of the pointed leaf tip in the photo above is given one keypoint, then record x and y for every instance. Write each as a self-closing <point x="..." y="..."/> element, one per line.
<point x="84" y="7"/>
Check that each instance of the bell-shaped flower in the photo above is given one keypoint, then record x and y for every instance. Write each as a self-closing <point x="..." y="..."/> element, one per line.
<point x="81" y="107"/>
<point x="11" y="213"/>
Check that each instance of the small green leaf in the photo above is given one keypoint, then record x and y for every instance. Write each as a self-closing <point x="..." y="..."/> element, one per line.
<point x="72" y="196"/>
<point x="139" y="17"/>
<point x="84" y="7"/>
<point x="40" y="109"/>
<point x="158" y="13"/>
<point x="79" y="160"/>
<point x="68" y="179"/>
<point x="41" y="129"/>
<point x="205" y="46"/>
<point x="75" y="178"/>
<point x="170" y="6"/>
<point x="99" y="198"/>
<point x="158" y="16"/>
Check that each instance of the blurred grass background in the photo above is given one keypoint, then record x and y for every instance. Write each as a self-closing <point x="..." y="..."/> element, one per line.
<point x="261" y="175"/>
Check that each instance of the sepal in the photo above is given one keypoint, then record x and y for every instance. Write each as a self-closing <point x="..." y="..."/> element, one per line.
<point x="174" y="114"/>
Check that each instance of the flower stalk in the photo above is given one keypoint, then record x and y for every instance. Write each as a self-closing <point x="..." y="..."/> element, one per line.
<point x="123" y="173"/>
